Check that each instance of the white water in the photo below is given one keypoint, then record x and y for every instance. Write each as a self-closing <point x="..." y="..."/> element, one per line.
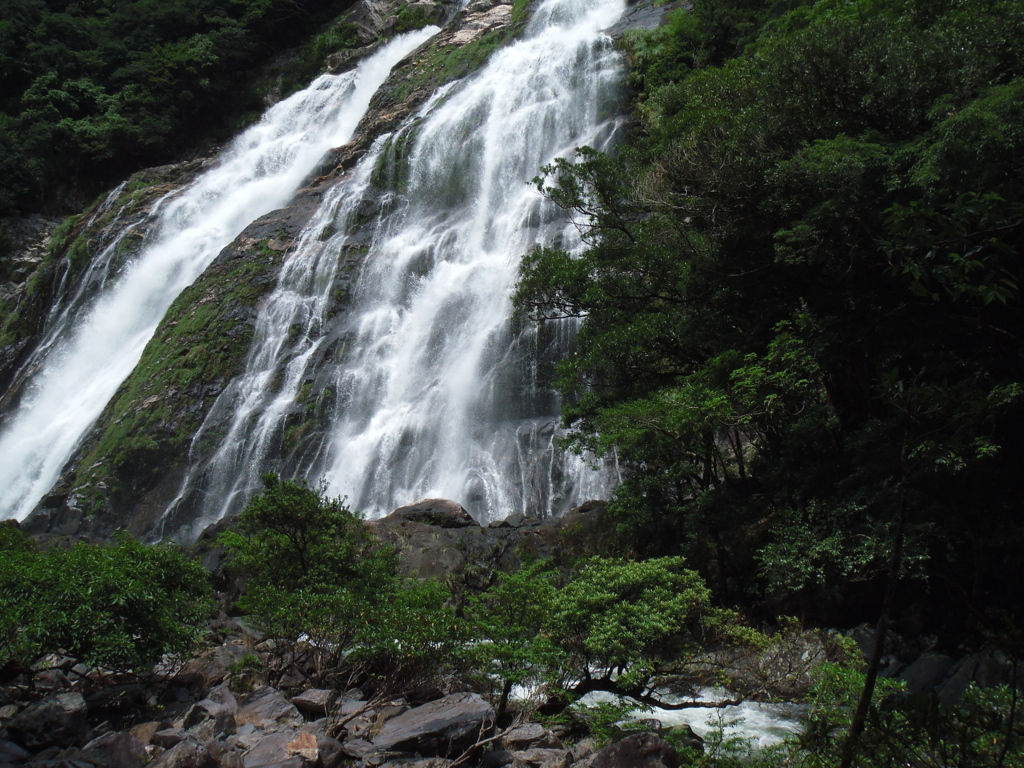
<point x="757" y="724"/>
<point x="436" y="392"/>
<point x="438" y="395"/>
<point x="91" y="353"/>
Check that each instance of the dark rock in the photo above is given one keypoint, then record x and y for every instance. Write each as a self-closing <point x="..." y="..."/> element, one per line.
<point x="541" y="758"/>
<point x="268" y="709"/>
<point x="645" y="15"/>
<point x="685" y="735"/>
<point x="227" y="753"/>
<point x="211" y="668"/>
<point x="441" y="728"/>
<point x="187" y="754"/>
<point x="641" y="750"/>
<point x="418" y="762"/>
<point x="926" y="672"/>
<point x="115" y="750"/>
<point x="57" y="720"/>
<point x="117" y="701"/>
<point x="496" y="759"/>
<point x="11" y="753"/>
<point x="440" y="512"/>
<point x="316" y="701"/>
<point x="168" y="737"/>
<point x="530" y="736"/>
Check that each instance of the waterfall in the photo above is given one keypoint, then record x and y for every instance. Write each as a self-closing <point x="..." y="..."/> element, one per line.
<point x="94" y="345"/>
<point x="433" y="390"/>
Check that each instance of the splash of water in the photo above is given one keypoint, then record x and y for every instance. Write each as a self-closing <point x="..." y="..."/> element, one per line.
<point x="91" y="351"/>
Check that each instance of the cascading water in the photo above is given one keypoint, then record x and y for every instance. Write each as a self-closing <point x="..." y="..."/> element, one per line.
<point x="94" y="345"/>
<point x="436" y="393"/>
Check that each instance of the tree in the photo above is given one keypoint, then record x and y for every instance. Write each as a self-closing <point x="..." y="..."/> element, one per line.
<point x="609" y="627"/>
<point x="121" y="606"/>
<point x="329" y="593"/>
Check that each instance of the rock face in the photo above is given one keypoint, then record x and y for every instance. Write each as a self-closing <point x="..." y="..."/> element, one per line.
<point x="469" y="556"/>
<point x="132" y="462"/>
<point x="441" y="728"/>
<point x="440" y="512"/>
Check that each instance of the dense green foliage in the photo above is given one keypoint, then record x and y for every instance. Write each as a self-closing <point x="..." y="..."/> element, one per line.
<point x="330" y="594"/>
<point x="92" y="90"/>
<point x="120" y="606"/>
<point x="609" y="625"/>
<point x="803" y="334"/>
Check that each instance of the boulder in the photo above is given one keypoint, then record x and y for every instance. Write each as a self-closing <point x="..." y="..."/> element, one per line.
<point x="926" y="672"/>
<point x="439" y="729"/>
<point x="268" y="709"/>
<point x="116" y="749"/>
<point x="186" y="754"/>
<point x="273" y="748"/>
<point x="440" y="512"/>
<point x="315" y="701"/>
<point x="167" y="737"/>
<point x="144" y="732"/>
<point x="57" y="720"/>
<point x="530" y="736"/>
<point x="213" y="717"/>
<point x="641" y="750"/>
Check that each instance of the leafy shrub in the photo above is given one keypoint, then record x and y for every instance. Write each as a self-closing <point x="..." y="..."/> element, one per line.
<point x="330" y="594"/>
<point x="607" y="628"/>
<point x="120" y="606"/>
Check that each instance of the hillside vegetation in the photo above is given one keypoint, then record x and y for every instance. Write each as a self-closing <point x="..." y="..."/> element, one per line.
<point x="95" y="89"/>
<point x="801" y="293"/>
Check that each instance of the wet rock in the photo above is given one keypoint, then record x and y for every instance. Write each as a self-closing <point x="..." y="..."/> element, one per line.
<point x="440" y="512"/>
<point x="439" y="729"/>
<point x="268" y="709"/>
<point x="641" y="750"/>
<point x="115" y="750"/>
<point x="57" y="720"/>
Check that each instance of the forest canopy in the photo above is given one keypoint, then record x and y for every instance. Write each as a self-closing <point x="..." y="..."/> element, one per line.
<point x="802" y="328"/>
<point x="93" y="90"/>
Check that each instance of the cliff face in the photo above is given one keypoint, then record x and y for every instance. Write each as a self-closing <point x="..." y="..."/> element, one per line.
<point x="131" y="464"/>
